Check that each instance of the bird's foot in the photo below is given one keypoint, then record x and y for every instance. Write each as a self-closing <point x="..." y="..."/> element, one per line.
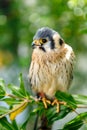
<point x="58" y="103"/>
<point x="45" y="102"/>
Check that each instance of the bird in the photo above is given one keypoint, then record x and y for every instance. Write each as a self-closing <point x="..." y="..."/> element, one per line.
<point x="51" y="67"/>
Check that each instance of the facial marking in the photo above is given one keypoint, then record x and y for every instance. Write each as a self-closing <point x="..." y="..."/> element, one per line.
<point x="61" y="41"/>
<point x="40" y="41"/>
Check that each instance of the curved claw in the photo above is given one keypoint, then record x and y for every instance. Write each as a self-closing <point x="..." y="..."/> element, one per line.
<point x="58" y="104"/>
<point x="45" y="102"/>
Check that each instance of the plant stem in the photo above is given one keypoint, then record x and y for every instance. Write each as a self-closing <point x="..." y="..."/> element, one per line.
<point x="44" y="124"/>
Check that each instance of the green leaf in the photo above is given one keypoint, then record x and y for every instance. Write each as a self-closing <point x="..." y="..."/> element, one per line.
<point x="80" y="99"/>
<point x="3" y="110"/>
<point x="22" y="88"/>
<point x="52" y="115"/>
<point x="15" y="90"/>
<point x="4" y="122"/>
<point x="51" y="112"/>
<point x="40" y="109"/>
<point x="11" y="101"/>
<point x="2" y="88"/>
<point x="77" y="122"/>
<point x="15" y="125"/>
<point x="23" y="127"/>
<point x="19" y="91"/>
<point x="2" y="83"/>
<point x="67" y="98"/>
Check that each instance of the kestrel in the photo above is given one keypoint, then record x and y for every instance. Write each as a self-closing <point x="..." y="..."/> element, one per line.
<point x="52" y="63"/>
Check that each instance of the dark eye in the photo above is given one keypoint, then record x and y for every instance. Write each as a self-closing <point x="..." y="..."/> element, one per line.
<point x="44" y="40"/>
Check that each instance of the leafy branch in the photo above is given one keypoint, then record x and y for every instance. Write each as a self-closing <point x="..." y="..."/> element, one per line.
<point x="18" y="99"/>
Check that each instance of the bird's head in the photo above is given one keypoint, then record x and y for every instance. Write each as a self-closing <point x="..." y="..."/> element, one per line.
<point x="46" y="39"/>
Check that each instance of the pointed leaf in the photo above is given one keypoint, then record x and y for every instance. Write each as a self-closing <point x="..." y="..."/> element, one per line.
<point x="4" y="122"/>
<point x="2" y="88"/>
<point x="3" y="110"/>
<point x="52" y="115"/>
<point x="77" y="122"/>
<point x="15" y="90"/>
<point x="67" y="98"/>
<point x="80" y="99"/>
<point x="22" y="88"/>
<point x="11" y="101"/>
<point x="15" y="125"/>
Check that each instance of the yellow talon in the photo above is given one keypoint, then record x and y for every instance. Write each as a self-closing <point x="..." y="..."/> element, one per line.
<point x="58" y="104"/>
<point x="55" y="102"/>
<point x="45" y="101"/>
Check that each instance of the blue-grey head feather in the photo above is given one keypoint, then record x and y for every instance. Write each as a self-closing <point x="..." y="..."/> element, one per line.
<point x="44" y="32"/>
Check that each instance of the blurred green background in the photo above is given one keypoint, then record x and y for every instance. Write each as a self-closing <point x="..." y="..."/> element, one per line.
<point x="19" y="20"/>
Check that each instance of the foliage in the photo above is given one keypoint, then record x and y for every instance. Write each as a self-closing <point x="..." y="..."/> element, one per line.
<point x="18" y="99"/>
<point x="19" y="20"/>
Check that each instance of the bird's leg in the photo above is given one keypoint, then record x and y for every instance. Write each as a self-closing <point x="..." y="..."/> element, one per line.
<point x="44" y="99"/>
<point x="58" y="103"/>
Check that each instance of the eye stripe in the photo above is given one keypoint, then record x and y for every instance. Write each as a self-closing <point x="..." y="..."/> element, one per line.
<point x="52" y="44"/>
<point x="60" y="41"/>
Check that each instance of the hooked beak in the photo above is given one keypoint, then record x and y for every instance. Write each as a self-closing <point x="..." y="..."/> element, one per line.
<point x="35" y="43"/>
